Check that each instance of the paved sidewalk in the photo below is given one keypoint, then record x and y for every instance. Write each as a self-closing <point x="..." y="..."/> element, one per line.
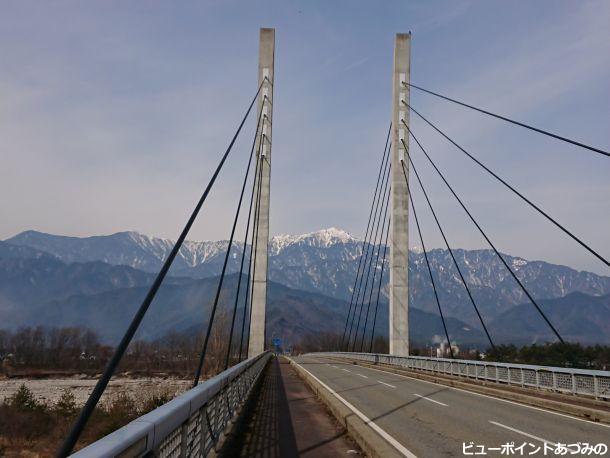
<point x="287" y="420"/>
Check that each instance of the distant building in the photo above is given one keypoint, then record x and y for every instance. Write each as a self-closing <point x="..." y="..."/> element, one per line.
<point x="443" y="350"/>
<point x="7" y="361"/>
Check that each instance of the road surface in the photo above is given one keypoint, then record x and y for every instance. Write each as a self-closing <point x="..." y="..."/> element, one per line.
<point x="427" y="419"/>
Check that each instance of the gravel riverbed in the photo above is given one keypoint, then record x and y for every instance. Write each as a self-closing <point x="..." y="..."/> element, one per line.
<point x="50" y="390"/>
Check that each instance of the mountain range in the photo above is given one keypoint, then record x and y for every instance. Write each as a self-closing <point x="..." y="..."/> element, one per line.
<point x="58" y="280"/>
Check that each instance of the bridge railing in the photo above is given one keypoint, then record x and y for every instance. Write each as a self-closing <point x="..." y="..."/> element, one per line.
<point x="189" y="425"/>
<point x="566" y="380"/>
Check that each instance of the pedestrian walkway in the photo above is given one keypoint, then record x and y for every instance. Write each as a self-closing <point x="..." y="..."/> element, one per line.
<point x="287" y="420"/>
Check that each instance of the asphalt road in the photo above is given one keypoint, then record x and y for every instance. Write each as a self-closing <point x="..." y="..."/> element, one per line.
<point x="430" y="420"/>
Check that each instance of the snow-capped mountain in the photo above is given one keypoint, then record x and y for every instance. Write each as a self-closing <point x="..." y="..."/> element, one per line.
<point x="144" y="252"/>
<point x="326" y="262"/>
<point x="322" y="239"/>
<point x="124" y="248"/>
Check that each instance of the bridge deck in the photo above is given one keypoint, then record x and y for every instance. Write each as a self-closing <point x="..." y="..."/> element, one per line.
<point x="285" y="420"/>
<point x="435" y="420"/>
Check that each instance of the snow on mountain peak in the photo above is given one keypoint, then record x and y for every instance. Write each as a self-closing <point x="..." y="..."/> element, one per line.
<point x="196" y="252"/>
<point x="518" y="263"/>
<point x="321" y="238"/>
<point x="332" y="235"/>
<point x="193" y="253"/>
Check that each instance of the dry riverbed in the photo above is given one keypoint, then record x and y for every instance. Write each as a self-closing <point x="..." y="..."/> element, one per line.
<point x="50" y="390"/>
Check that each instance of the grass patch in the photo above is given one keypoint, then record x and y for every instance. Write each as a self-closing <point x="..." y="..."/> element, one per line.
<point x="28" y="425"/>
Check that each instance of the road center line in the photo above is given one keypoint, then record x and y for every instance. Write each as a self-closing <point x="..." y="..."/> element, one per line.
<point x="335" y="366"/>
<point x="346" y="370"/>
<point x="431" y="400"/>
<point x="515" y="430"/>
<point x="386" y="384"/>
<point x="363" y="376"/>
<point x="474" y="393"/>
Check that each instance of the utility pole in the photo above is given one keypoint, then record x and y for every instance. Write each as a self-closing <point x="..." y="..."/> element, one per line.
<point x="399" y="230"/>
<point x="263" y="147"/>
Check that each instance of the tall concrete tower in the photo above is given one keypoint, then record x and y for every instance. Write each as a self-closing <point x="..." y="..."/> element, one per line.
<point x="263" y="147"/>
<point x="399" y="230"/>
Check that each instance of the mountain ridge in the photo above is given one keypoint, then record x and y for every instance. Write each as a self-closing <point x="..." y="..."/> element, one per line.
<point x="39" y="289"/>
<point x="326" y="262"/>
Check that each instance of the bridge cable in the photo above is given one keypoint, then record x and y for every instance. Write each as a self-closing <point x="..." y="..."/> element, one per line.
<point x="384" y="156"/>
<point x="438" y="303"/>
<point x="255" y="248"/>
<point x="386" y="197"/>
<point x="368" y="307"/>
<point x="529" y="296"/>
<point x="369" y="248"/>
<point x="504" y="118"/>
<point x="525" y="199"/>
<point x="243" y="254"/>
<point x="365" y="241"/>
<point x="226" y="260"/>
<point x="101" y="384"/>
<point x="421" y="185"/>
<point x="385" y="249"/>
<point x="243" y="323"/>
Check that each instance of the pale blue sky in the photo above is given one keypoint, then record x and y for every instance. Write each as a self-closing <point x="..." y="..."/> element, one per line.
<point x="113" y="114"/>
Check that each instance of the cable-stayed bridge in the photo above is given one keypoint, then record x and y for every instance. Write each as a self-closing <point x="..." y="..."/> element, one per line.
<point x="391" y="405"/>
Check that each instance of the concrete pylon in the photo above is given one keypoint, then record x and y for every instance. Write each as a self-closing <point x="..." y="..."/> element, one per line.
<point x="263" y="147"/>
<point x="399" y="230"/>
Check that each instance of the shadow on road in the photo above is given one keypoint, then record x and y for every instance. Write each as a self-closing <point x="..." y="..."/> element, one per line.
<point x="285" y="419"/>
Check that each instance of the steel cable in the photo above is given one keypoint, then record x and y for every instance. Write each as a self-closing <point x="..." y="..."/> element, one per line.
<point x="529" y="296"/>
<point x="504" y="118"/>
<point x="525" y="199"/>
<point x="421" y="185"/>
<point x="423" y="246"/>
<point x="384" y="156"/>
<point x="100" y="386"/>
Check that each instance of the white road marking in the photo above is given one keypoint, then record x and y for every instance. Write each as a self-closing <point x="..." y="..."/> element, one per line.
<point x="363" y="376"/>
<point x="335" y="366"/>
<point x="428" y="399"/>
<point x="515" y="430"/>
<point x="345" y="370"/>
<point x="490" y="397"/>
<point x="386" y="384"/>
<point x="397" y="445"/>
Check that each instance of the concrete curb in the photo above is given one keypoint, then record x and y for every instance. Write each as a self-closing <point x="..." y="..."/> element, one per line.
<point x="556" y="406"/>
<point x="369" y="441"/>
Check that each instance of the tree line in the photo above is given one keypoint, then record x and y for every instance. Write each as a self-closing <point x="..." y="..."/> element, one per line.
<point x="569" y="354"/>
<point x="73" y="349"/>
<point x="38" y="350"/>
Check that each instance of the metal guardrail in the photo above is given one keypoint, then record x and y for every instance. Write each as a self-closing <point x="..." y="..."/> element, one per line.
<point x="573" y="381"/>
<point x="189" y="425"/>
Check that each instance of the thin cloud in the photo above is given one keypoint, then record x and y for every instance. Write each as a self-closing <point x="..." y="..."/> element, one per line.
<point x="355" y="64"/>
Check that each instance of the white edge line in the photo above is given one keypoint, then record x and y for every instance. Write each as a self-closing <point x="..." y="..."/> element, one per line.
<point x="397" y="445"/>
<point x="428" y="399"/>
<point x="490" y="397"/>
<point x="531" y="436"/>
<point x="386" y="384"/>
<point x="363" y="376"/>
